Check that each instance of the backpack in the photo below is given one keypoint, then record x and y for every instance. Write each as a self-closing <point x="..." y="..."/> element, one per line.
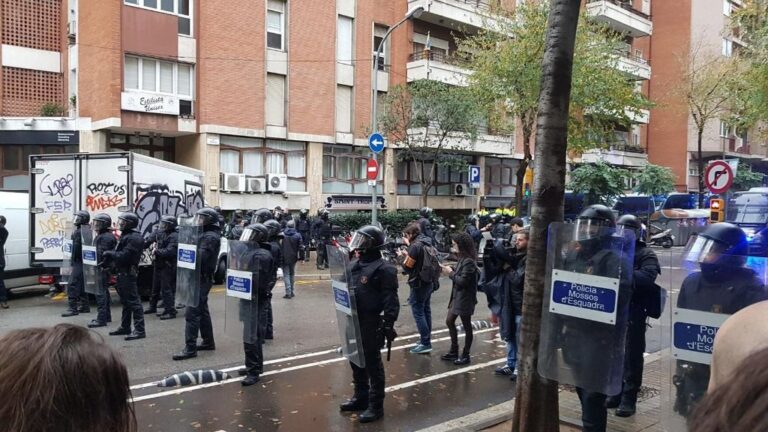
<point x="430" y="266"/>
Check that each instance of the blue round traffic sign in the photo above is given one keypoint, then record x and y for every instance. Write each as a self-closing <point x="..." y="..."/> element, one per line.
<point x="376" y="142"/>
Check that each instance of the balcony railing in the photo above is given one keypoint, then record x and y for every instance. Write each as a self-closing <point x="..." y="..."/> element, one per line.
<point x="736" y="145"/>
<point x="624" y="4"/>
<point x="627" y="148"/>
<point x="633" y="57"/>
<point x="438" y="57"/>
<point x="480" y="4"/>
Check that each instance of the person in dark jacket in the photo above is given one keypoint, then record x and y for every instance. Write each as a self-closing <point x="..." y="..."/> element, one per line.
<point x="473" y="231"/>
<point x="3" y="239"/>
<point x="76" y="295"/>
<point x="165" y="262"/>
<point x="324" y="233"/>
<point x="512" y="304"/>
<point x="198" y="319"/>
<point x="374" y="283"/>
<point x="291" y="246"/>
<point x="126" y="257"/>
<point x="463" y="296"/>
<point x="150" y="242"/>
<point x="273" y="245"/>
<point x="303" y="226"/>
<point x="421" y="290"/>
<point x="104" y="241"/>
<point x="425" y="213"/>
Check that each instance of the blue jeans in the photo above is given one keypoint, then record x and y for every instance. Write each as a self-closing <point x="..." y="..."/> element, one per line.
<point x="289" y="273"/>
<point x="422" y="312"/>
<point x="512" y="345"/>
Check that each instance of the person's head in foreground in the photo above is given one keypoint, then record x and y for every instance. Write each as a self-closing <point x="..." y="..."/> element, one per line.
<point x="62" y="379"/>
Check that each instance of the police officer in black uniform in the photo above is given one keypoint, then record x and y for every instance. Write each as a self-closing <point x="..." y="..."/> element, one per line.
<point x="76" y="296"/>
<point x="499" y="230"/>
<point x="165" y="264"/>
<point x="262" y="215"/>
<point x="303" y="227"/>
<point x="272" y="244"/>
<point x="724" y="286"/>
<point x="125" y="258"/>
<point x="425" y="213"/>
<point x="324" y="234"/>
<point x="153" y="239"/>
<point x="104" y="241"/>
<point x="374" y="283"/>
<point x="646" y="270"/>
<point x="198" y="319"/>
<point x="254" y="357"/>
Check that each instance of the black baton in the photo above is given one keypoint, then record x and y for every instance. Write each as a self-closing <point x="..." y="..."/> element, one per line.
<point x="389" y="349"/>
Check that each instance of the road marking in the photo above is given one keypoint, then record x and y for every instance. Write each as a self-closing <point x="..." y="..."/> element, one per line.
<point x="274" y="372"/>
<point x="444" y="375"/>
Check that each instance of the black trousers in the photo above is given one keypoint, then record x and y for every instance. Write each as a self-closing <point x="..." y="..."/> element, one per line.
<point x="322" y="258"/>
<point x="633" y="358"/>
<point x="129" y="298"/>
<point x="3" y="290"/>
<point x="594" y="414"/>
<point x="76" y="288"/>
<point x="199" y="318"/>
<point x="254" y="356"/>
<point x="157" y="285"/>
<point x="168" y="288"/>
<point x="369" y="380"/>
<point x="103" y="300"/>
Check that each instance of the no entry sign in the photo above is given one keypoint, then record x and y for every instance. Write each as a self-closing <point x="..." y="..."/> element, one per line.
<point x="373" y="171"/>
<point x="718" y="177"/>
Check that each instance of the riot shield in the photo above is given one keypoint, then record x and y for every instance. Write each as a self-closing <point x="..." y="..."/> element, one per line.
<point x="346" y="305"/>
<point x="241" y="306"/>
<point x="703" y="298"/>
<point x="188" y="264"/>
<point x="66" y="252"/>
<point x="588" y="285"/>
<point x="90" y="264"/>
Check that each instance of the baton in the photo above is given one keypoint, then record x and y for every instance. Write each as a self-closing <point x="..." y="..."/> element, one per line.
<point x="389" y="349"/>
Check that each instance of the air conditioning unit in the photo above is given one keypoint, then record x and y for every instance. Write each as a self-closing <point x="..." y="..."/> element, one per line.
<point x="459" y="189"/>
<point x="277" y="182"/>
<point x="232" y="182"/>
<point x="255" y="185"/>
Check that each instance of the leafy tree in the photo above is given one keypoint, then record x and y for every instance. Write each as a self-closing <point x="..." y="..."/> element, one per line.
<point x="750" y="23"/>
<point x="600" y="182"/>
<point x="507" y="76"/>
<point x="431" y="122"/>
<point x="746" y="178"/>
<point x="655" y="180"/>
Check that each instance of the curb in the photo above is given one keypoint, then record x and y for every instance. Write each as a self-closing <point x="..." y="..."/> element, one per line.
<point x="477" y="421"/>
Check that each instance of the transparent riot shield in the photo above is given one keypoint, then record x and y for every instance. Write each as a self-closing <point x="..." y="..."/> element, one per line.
<point x="66" y="252"/>
<point x="188" y="263"/>
<point x="241" y="306"/>
<point x="343" y="292"/>
<point x="90" y="264"/>
<point x="705" y="293"/>
<point x="588" y="285"/>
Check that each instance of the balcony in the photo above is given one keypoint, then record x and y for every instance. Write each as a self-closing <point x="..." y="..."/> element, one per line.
<point x="643" y="117"/>
<point x="484" y="143"/>
<point x="738" y="147"/>
<point x="618" y="154"/>
<point x="456" y="14"/>
<point x="621" y="16"/>
<point x="434" y="65"/>
<point x="635" y="66"/>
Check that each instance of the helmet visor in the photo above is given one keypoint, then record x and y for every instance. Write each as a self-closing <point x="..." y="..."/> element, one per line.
<point x="588" y="229"/>
<point x="704" y="250"/>
<point x="248" y="235"/>
<point x="200" y="220"/>
<point x="99" y="225"/>
<point x="623" y="230"/>
<point x="360" y="242"/>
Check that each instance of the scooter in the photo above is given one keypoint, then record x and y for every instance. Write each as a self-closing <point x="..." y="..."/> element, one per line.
<point x="660" y="237"/>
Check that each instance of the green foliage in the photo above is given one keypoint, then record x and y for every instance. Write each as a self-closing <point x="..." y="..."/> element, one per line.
<point x="393" y="221"/>
<point x="51" y="110"/>
<point x="746" y="178"/>
<point x="655" y="180"/>
<point x="600" y="182"/>
<point x="750" y="22"/>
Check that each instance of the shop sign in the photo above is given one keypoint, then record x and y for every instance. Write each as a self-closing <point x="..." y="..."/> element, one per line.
<point x="151" y="103"/>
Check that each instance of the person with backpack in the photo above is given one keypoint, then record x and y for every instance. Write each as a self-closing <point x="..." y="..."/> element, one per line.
<point x="423" y="269"/>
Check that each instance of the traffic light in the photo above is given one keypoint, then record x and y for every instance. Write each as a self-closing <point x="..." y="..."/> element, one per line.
<point x="527" y="191"/>
<point x="717" y="210"/>
<point x="527" y="181"/>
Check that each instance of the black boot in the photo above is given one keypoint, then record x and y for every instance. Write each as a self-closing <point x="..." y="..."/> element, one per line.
<point x="613" y="401"/>
<point x="372" y="414"/>
<point x="167" y="315"/>
<point x="207" y="346"/>
<point x="355" y="403"/>
<point x="150" y="310"/>
<point x="185" y="354"/>
<point x="136" y="335"/>
<point x="85" y="309"/>
<point x="463" y="360"/>
<point x="627" y="407"/>
<point x="71" y="311"/>
<point x="96" y="323"/>
<point x="120" y="332"/>
<point x="452" y="354"/>
<point x="250" y="380"/>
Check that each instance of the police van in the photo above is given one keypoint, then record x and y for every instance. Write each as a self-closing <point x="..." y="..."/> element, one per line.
<point x="749" y="210"/>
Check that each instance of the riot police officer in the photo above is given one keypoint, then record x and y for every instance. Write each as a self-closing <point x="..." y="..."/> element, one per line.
<point x="324" y="233"/>
<point x="375" y="286"/>
<point x="425" y="225"/>
<point x="723" y="286"/>
<point x="104" y="241"/>
<point x="262" y="215"/>
<point x="126" y="257"/>
<point x="165" y="264"/>
<point x="470" y="227"/>
<point x="272" y="244"/>
<point x="646" y="269"/>
<point x="254" y="358"/>
<point x="77" y="298"/>
<point x="498" y="229"/>
<point x="153" y="239"/>
<point x="303" y="227"/>
<point x="198" y="318"/>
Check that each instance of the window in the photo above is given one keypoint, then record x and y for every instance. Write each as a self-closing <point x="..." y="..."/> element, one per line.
<point x="166" y="77"/>
<point x="257" y="157"/>
<point x="725" y="130"/>
<point x="344" y="108"/>
<point x="181" y="8"/>
<point x="131" y="73"/>
<point x="727" y="7"/>
<point x="344" y="40"/>
<point x="160" y="77"/>
<point x="378" y="36"/>
<point x="727" y="47"/>
<point x="275" y="114"/>
<point x="500" y="176"/>
<point x="409" y="174"/>
<point x="14" y="163"/>
<point x="158" y="147"/>
<point x="275" y="24"/>
<point x="345" y="170"/>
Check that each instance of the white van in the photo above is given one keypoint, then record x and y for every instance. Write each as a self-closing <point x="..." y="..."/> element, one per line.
<point x="15" y="207"/>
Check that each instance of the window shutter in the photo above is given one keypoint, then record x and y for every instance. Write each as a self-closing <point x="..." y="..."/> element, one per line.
<point x="185" y="80"/>
<point x="344" y="40"/>
<point x="343" y="108"/>
<point x="132" y="73"/>
<point x="166" y="77"/>
<point x="275" y="114"/>
<point x="149" y="75"/>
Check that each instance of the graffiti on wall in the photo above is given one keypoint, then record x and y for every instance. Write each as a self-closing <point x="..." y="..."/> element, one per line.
<point x="104" y="196"/>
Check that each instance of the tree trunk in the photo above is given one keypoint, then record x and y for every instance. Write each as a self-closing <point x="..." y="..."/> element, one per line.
<point x="700" y="163"/>
<point x="520" y="174"/>
<point x="536" y="402"/>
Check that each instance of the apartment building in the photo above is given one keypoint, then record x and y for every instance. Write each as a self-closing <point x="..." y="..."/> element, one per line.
<point x="682" y="27"/>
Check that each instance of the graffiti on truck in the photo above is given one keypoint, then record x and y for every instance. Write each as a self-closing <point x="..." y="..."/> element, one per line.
<point x="102" y="196"/>
<point x="154" y="201"/>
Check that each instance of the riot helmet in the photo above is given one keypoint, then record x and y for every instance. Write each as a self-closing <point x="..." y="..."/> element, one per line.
<point x="127" y="221"/>
<point x="367" y="238"/>
<point x="167" y="223"/>
<point x="206" y="216"/>
<point x="721" y="245"/>
<point x="495" y="218"/>
<point x="425" y="212"/>
<point x="472" y="219"/>
<point x="290" y="224"/>
<point x="630" y="222"/>
<point x="82" y="217"/>
<point x="303" y="213"/>
<point x="324" y="214"/>
<point x="262" y="215"/>
<point x="593" y="221"/>
<point x="274" y="228"/>
<point x="255" y="233"/>
<point x="278" y="212"/>
<point x="101" y="222"/>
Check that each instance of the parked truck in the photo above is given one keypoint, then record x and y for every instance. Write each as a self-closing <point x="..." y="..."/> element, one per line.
<point x="105" y="183"/>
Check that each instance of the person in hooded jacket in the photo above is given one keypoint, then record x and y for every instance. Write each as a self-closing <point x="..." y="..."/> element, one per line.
<point x="470" y="227"/>
<point x="291" y="246"/>
<point x="425" y="213"/>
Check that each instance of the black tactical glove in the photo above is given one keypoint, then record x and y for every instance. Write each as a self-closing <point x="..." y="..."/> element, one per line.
<point x="389" y="333"/>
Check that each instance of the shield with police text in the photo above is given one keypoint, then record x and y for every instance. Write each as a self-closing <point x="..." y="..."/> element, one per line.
<point x="710" y="286"/>
<point x="188" y="263"/>
<point x="241" y="306"/>
<point x="90" y="264"/>
<point x="588" y="285"/>
<point x="345" y="303"/>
